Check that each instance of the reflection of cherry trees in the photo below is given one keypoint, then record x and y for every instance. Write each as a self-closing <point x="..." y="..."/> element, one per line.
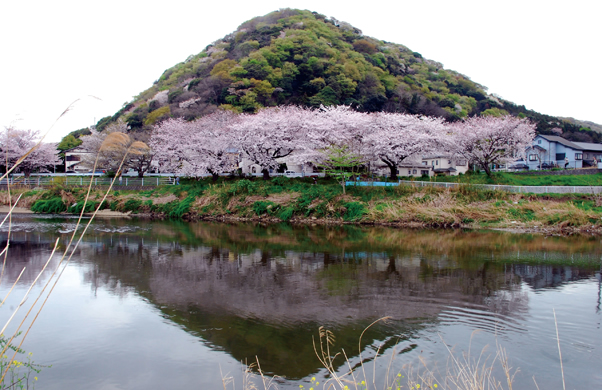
<point x="15" y="144"/>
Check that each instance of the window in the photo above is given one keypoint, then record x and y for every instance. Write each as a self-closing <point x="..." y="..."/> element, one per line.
<point x="560" y="156"/>
<point x="425" y="163"/>
<point x="449" y="161"/>
<point x="415" y="171"/>
<point x="533" y="157"/>
<point x="437" y="162"/>
<point x="461" y="163"/>
<point x="409" y="171"/>
<point x="578" y="156"/>
<point x="424" y="173"/>
<point x="539" y="141"/>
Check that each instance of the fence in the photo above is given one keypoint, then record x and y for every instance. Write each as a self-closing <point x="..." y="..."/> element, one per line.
<point x="83" y="180"/>
<point x="493" y="187"/>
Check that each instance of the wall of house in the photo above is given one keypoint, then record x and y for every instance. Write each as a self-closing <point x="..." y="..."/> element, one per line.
<point x="442" y="162"/>
<point x="415" y="171"/>
<point x="553" y="149"/>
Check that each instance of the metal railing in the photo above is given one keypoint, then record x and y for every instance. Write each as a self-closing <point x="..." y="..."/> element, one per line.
<point x="492" y="187"/>
<point x="507" y="188"/>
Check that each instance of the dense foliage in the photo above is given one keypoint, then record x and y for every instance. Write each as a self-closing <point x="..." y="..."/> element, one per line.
<point x="303" y="58"/>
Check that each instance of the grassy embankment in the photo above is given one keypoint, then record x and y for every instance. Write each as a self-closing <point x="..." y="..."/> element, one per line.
<point x="298" y="200"/>
<point x="505" y="178"/>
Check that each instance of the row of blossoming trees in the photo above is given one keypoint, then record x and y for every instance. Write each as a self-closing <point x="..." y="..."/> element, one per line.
<point x="308" y="136"/>
<point x="24" y="148"/>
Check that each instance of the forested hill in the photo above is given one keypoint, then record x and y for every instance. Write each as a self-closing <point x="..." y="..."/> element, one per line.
<point x="304" y="58"/>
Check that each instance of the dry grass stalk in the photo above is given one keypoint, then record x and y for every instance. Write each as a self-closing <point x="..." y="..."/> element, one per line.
<point x="133" y="148"/>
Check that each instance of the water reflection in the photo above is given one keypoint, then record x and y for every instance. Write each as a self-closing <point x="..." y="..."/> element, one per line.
<point x="254" y="290"/>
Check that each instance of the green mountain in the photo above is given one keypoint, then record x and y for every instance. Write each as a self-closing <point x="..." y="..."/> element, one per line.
<point x="301" y="57"/>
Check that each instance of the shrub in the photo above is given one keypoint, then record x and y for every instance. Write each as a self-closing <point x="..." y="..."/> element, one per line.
<point x="90" y="207"/>
<point x="286" y="213"/>
<point x="132" y="205"/>
<point x="264" y="207"/>
<point x="50" y="206"/>
<point x="355" y="211"/>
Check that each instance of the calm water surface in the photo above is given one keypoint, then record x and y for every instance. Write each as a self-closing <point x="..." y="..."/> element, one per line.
<point x="156" y="305"/>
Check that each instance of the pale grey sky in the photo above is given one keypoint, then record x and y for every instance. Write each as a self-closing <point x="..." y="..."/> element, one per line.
<point x="543" y="54"/>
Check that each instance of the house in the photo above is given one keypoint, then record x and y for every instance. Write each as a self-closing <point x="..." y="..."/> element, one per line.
<point x="549" y="151"/>
<point x="445" y="164"/>
<point x="75" y="160"/>
<point x="416" y="169"/>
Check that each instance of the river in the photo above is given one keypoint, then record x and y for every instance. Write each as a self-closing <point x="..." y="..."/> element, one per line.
<point x="169" y="304"/>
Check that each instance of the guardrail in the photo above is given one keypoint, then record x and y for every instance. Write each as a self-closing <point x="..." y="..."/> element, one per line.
<point x="494" y="187"/>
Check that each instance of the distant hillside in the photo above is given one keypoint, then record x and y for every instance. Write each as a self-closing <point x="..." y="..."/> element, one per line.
<point x="301" y="57"/>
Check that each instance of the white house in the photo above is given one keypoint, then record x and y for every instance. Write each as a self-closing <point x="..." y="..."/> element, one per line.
<point x="75" y="161"/>
<point x="445" y="164"/>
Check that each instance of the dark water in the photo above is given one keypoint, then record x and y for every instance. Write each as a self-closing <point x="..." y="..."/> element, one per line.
<point x="156" y="305"/>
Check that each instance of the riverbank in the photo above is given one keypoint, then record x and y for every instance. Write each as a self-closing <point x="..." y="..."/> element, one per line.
<point x="299" y="201"/>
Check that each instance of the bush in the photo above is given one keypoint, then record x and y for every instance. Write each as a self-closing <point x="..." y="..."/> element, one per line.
<point x="132" y="205"/>
<point x="355" y="211"/>
<point x="50" y="206"/>
<point x="264" y="207"/>
<point x="287" y="213"/>
<point x="90" y="207"/>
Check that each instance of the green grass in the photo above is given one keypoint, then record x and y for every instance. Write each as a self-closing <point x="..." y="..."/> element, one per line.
<point x="505" y="178"/>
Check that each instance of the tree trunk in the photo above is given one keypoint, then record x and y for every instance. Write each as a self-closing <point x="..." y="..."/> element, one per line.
<point x="266" y="174"/>
<point x="487" y="169"/>
<point x="140" y="174"/>
<point x="392" y="168"/>
<point x="214" y="176"/>
<point x="393" y="175"/>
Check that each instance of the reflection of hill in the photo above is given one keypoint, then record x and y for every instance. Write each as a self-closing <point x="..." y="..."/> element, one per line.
<point x="252" y="290"/>
<point x="265" y="305"/>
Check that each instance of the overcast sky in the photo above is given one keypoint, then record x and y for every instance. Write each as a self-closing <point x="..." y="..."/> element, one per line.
<point x="543" y="54"/>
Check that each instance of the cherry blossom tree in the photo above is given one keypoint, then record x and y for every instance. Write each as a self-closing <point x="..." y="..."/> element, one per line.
<point x="492" y="140"/>
<point x="338" y="127"/>
<point x="197" y="148"/>
<point x="15" y="144"/>
<point x="272" y="134"/>
<point x="395" y="137"/>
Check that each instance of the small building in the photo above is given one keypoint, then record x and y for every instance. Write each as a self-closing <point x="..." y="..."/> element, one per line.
<point x="75" y="160"/>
